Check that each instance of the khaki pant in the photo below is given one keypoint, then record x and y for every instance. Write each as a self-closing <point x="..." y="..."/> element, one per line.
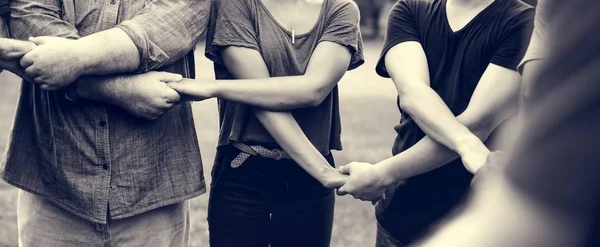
<point x="42" y="223"/>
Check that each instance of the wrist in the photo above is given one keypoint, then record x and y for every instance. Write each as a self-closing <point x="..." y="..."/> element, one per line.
<point x="216" y="89"/>
<point x="327" y="176"/>
<point x="470" y="145"/>
<point x="84" y="58"/>
<point x="386" y="178"/>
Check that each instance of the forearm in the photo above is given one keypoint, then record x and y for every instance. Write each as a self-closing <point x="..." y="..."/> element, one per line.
<point x="432" y="115"/>
<point x="287" y="133"/>
<point x="427" y="154"/>
<point x="107" y="52"/>
<point x="98" y="88"/>
<point x="274" y="93"/>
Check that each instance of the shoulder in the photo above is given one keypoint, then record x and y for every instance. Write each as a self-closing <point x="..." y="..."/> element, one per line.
<point x="233" y="5"/>
<point x="516" y="11"/>
<point x="346" y="6"/>
<point x="413" y="6"/>
<point x="342" y="10"/>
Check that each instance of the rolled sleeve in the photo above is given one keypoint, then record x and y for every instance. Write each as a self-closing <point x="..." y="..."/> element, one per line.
<point x="31" y="18"/>
<point x="166" y="30"/>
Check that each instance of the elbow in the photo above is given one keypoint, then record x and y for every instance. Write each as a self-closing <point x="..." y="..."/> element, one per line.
<point x="315" y="99"/>
<point x="314" y="96"/>
<point x="410" y="98"/>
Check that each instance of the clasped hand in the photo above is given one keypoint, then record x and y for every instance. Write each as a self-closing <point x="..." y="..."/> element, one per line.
<point x="365" y="181"/>
<point x="54" y="63"/>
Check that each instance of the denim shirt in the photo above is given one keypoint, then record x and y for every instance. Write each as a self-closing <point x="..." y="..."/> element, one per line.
<point x="93" y="159"/>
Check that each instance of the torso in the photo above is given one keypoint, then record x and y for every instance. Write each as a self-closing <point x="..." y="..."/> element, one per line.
<point x="298" y="15"/>
<point x="460" y="16"/>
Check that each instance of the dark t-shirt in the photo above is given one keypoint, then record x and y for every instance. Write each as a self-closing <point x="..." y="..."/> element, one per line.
<point x="247" y="23"/>
<point x="4" y="8"/>
<point x="456" y="61"/>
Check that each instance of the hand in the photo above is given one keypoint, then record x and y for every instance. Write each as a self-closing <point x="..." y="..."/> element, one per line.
<point x="147" y="95"/>
<point x="54" y="63"/>
<point x="11" y="50"/>
<point x="14" y="49"/>
<point x="333" y="179"/>
<point x="475" y="159"/>
<point x="473" y="154"/>
<point x="366" y="182"/>
<point x="194" y="90"/>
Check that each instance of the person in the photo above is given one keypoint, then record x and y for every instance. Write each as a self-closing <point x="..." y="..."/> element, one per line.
<point x="92" y="168"/>
<point x="277" y="64"/>
<point x="454" y="65"/>
<point x="546" y="184"/>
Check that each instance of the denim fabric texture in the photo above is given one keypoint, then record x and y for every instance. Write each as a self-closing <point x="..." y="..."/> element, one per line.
<point x="88" y="157"/>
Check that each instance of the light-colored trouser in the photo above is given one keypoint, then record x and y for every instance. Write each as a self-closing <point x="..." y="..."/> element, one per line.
<point x="42" y="223"/>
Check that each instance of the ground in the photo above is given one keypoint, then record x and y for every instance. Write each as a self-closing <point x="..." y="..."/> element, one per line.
<point x="368" y="111"/>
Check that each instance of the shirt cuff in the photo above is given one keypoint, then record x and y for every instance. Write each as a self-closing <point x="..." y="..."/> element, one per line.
<point x="151" y="56"/>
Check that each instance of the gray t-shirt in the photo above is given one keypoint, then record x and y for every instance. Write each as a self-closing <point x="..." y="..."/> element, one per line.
<point x="248" y="23"/>
<point x="539" y="38"/>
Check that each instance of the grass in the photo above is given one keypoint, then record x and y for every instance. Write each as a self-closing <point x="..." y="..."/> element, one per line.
<point x="368" y="111"/>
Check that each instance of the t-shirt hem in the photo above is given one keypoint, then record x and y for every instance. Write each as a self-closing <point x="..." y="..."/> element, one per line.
<point x="357" y="57"/>
<point x="506" y="63"/>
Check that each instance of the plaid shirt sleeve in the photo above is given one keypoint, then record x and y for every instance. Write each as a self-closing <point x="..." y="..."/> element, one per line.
<point x="31" y="18"/>
<point x="165" y="30"/>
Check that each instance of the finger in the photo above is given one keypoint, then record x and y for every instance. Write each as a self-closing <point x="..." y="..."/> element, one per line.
<point x="48" y="87"/>
<point x="30" y="73"/>
<point x="40" y="40"/>
<point x="27" y="60"/>
<point x="172" y="96"/>
<point x="12" y="48"/>
<point x="170" y="77"/>
<point x="38" y="80"/>
<point x="344" y="190"/>
<point x="344" y="169"/>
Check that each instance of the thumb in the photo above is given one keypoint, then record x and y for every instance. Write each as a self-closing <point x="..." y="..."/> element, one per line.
<point x="170" y="77"/>
<point x="40" y="40"/>
<point x="344" y="190"/>
<point x="344" y="169"/>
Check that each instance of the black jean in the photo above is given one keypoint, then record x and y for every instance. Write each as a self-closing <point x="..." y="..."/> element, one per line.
<point x="267" y="202"/>
<point x="410" y="211"/>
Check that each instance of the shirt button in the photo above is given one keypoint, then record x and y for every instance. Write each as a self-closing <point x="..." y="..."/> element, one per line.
<point x="113" y="1"/>
<point x="105" y="166"/>
<point x="103" y="124"/>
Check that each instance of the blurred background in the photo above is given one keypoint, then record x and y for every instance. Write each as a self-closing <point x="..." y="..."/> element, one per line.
<point x="368" y="108"/>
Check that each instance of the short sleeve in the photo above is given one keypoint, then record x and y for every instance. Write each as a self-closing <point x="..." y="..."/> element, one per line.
<point x="539" y="41"/>
<point x="401" y="27"/>
<point x="343" y="28"/>
<point x="231" y="24"/>
<point x="4" y="8"/>
<point x="514" y="41"/>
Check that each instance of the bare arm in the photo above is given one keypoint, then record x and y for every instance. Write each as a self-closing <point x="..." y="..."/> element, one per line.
<point x="407" y="65"/>
<point x="492" y="102"/>
<point x="327" y="65"/>
<point x="281" y="125"/>
<point x="43" y="18"/>
<point x="139" y="44"/>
